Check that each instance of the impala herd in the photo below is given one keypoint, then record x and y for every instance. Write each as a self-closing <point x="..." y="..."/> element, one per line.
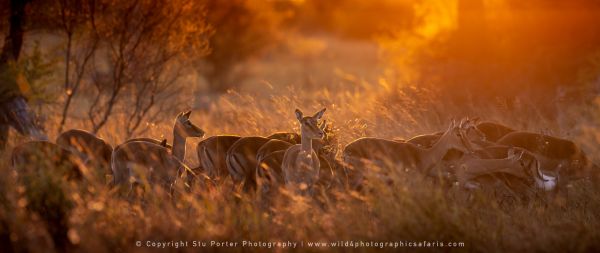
<point x="468" y="154"/>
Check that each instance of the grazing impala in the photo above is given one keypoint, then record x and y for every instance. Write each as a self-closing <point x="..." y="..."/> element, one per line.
<point x="472" y="171"/>
<point x="242" y="156"/>
<point x="270" y="147"/>
<point x="162" y="142"/>
<point x="492" y="132"/>
<point x="405" y="155"/>
<point x="154" y="158"/>
<point x="556" y="155"/>
<point x="94" y="151"/>
<point x="425" y="140"/>
<point x="292" y="138"/>
<point x="301" y="164"/>
<point x="269" y="168"/>
<point x="241" y="161"/>
<point x="212" y="153"/>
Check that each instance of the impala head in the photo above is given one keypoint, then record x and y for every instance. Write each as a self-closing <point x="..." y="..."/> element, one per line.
<point x="456" y="136"/>
<point x="472" y="132"/>
<point x="527" y="161"/>
<point x="523" y="159"/>
<point x="309" y="125"/>
<point x="184" y="127"/>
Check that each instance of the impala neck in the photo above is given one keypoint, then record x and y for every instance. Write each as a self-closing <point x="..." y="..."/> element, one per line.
<point x="178" y="145"/>
<point x="431" y="156"/>
<point x="306" y="142"/>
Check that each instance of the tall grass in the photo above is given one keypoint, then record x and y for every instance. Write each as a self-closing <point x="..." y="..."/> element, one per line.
<point x="410" y="209"/>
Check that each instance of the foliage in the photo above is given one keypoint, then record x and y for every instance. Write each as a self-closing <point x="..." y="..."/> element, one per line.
<point x="242" y="29"/>
<point x="39" y="71"/>
<point x="144" y="48"/>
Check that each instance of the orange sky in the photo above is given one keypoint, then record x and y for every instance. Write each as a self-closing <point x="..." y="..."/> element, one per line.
<point x="493" y="44"/>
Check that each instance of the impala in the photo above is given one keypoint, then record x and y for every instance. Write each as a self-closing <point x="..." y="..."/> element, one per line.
<point x="270" y="147"/>
<point x="212" y="153"/>
<point x="270" y="175"/>
<point x="492" y="132"/>
<point x="301" y="164"/>
<point x="241" y="161"/>
<point x="556" y="155"/>
<point x="292" y="138"/>
<point x="518" y="164"/>
<point x="269" y="168"/>
<point x="154" y="158"/>
<point x="269" y="172"/>
<point x="270" y="159"/>
<point x="242" y="157"/>
<point x="425" y="140"/>
<point x="91" y="149"/>
<point x="162" y="142"/>
<point x="404" y="155"/>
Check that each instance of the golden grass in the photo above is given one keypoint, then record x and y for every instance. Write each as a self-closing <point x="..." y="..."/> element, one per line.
<point x="408" y="210"/>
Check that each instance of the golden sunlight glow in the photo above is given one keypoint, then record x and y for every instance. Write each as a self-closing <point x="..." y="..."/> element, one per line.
<point x="437" y="15"/>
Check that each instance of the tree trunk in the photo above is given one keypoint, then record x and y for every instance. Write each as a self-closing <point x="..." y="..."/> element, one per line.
<point x="14" y="39"/>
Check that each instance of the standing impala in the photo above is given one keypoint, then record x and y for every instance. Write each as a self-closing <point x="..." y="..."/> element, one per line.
<point x="270" y="159"/>
<point x="301" y="164"/>
<point x="155" y="158"/>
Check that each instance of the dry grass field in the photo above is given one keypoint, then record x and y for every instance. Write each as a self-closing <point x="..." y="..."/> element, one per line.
<point x="413" y="210"/>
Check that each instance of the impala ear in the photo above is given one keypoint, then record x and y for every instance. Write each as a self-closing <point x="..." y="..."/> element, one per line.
<point x="319" y="114"/>
<point x="299" y="114"/>
<point x="187" y="114"/>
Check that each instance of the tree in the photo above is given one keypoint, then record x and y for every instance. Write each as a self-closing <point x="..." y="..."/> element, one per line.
<point x="76" y="14"/>
<point x="243" y="28"/>
<point x="142" y="43"/>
